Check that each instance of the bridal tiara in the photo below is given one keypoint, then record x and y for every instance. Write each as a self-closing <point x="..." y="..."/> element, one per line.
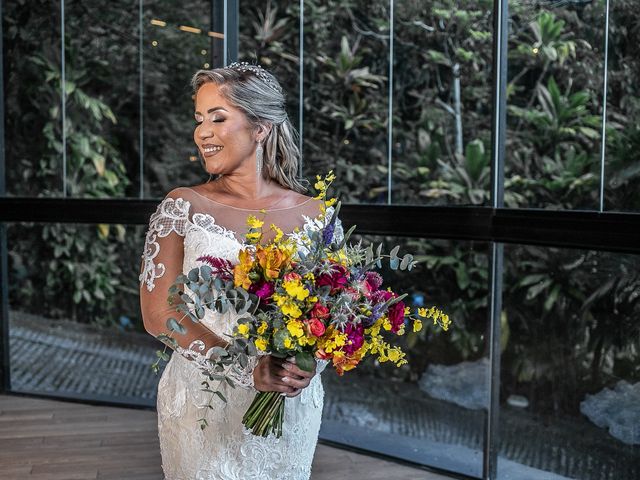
<point x="258" y="71"/>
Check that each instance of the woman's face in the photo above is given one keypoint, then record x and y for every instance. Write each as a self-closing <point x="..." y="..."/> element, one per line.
<point x="223" y="134"/>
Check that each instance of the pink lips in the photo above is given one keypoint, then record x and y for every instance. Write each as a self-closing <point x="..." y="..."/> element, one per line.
<point x="210" y="153"/>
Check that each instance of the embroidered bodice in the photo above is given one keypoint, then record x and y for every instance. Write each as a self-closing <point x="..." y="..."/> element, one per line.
<point x="185" y="226"/>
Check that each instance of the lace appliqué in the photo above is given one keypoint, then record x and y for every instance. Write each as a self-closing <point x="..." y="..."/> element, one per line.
<point x="241" y="377"/>
<point x="172" y="215"/>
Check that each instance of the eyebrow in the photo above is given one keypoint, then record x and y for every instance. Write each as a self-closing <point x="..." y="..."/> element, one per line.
<point x="211" y="110"/>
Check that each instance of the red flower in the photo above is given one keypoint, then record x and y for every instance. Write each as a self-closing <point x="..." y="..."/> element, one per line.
<point x="320" y="311"/>
<point x="396" y="316"/>
<point x="316" y="327"/>
<point x="337" y="279"/>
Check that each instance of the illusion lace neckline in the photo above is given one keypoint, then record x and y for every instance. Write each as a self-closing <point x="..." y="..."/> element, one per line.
<point x="250" y="209"/>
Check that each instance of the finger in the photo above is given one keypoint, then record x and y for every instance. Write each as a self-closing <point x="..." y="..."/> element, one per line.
<point x="281" y="372"/>
<point x="294" y="369"/>
<point x="295" y="393"/>
<point x="279" y="387"/>
<point x="296" y="383"/>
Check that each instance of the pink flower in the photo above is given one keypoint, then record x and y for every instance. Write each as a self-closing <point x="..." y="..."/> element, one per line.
<point x="263" y="290"/>
<point x="355" y="337"/>
<point x="337" y="279"/>
<point x="373" y="280"/>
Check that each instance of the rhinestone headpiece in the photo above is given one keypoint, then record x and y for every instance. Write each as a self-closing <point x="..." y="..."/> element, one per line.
<point x="258" y="71"/>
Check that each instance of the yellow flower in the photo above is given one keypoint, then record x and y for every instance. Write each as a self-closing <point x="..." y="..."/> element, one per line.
<point x="261" y="344"/>
<point x="272" y="260"/>
<point x="417" y="325"/>
<point x="254" y="222"/>
<point x="295" y="289"/>
<point x="279" y="233"/>
<point x="253" y="236"/>
<point x="243" y="329"/>
<point x="295" y="328"/>
<point x="287" y="305"/>
<point x="288" y="343"/>
<point x="262" y="328"/>
<point x="422" y="312"/>
<point x="242" y="269"/>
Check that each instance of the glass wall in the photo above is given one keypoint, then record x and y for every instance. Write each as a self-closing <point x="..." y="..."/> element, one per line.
<point x="441" y="100"/>
<point x="570" y="364"/>
<point x="127" y="110"/>
<point x="554" y="97"/>
<point x="75" y="328"/>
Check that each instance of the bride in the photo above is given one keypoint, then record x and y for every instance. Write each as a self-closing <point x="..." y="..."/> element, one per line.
<point x="247" y="145"/>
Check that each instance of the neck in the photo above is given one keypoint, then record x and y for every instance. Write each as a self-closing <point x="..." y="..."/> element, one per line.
<point x="246" y="185"/>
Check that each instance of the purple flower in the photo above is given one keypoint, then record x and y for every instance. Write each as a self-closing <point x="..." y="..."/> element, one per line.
<point x="327" y="233"/>
<point x="263" y="290"/>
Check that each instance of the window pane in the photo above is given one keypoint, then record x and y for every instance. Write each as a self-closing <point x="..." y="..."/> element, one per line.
<point x="442" y="103"/>
<point x="346" y="49"/>
<point x="622" y="187"/>
<point x="432" y="410"/>
<point x="177" y="44"/>
<point x="102" y="112"/>
<point x="569" y="379"/>
<point x="32" y="98"/>
<point x="74" y="317"/>
<point x="269" y="35"/>
<point x="554" y="98"/>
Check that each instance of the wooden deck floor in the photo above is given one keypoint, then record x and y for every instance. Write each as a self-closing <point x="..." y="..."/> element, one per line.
<point x="54" y="440"/>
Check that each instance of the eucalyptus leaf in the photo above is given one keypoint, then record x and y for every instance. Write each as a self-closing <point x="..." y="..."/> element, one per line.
<point x="174" y="326"/>
<point x="194" y="274"/>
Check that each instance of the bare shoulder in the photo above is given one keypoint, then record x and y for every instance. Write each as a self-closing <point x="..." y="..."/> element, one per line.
<point x="186" y="193"/>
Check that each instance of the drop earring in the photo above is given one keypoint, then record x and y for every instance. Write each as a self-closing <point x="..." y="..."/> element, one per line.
<point x="259" y="154"/>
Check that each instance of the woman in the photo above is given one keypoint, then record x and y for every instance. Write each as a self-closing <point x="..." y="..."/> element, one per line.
<point x="247" y="143"/>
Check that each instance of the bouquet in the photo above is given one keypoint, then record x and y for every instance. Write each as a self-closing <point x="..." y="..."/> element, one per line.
<point x="309" y="295"/>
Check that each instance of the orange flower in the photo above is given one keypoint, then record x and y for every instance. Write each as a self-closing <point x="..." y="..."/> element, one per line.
<point x="242" y="269"/>
<point x="344" y="363"/>
<point x="272" y="260"/>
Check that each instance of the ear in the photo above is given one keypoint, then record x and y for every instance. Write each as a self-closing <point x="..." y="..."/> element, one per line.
<point x="263" y="131"/>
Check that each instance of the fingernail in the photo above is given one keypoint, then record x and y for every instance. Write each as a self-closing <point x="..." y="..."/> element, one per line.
<point x="285" y="379"/>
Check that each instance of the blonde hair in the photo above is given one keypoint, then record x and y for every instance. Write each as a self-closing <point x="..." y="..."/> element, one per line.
<point x="262" y="101"/>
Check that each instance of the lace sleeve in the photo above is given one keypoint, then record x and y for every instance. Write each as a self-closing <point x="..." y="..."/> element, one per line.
<point x="171" y="216"/>
<point x="162" y="262"/>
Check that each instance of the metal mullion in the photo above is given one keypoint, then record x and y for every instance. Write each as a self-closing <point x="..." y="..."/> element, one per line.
<point x="390" y="99"/>
<point x="301" y="90"/>
<point x="498" y="134"/>
<point x="141" y="97"/>
<point x="63" y="100"/>
<point x="231" y="30"/>
<point x="605" y="75"/>
<point x="5" y="366"/>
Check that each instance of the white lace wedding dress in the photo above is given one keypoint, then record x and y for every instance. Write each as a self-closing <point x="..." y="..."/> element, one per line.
<point x="185" y="226"/>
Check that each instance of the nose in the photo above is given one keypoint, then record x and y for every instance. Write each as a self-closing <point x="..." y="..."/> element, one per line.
<point x="205" y="130"/>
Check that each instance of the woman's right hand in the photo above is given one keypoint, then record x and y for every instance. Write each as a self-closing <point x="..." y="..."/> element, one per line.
<point x="274" y="374"/>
